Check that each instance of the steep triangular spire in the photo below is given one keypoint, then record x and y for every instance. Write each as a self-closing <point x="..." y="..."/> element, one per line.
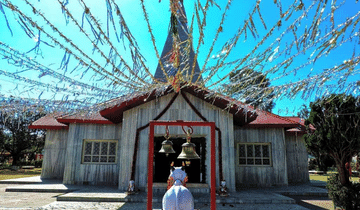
<point x="185" y="52"/>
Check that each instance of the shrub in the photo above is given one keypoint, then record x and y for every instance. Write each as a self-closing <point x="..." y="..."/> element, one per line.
<point x="312" y="164"/>
<point x="5" y="166"/>
<point x="346" y="197"/>
<point x="38" y="163"/>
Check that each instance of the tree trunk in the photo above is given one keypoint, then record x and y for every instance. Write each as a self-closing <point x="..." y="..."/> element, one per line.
<point x="16" y="159"/>
<point x="343" y="174"/>
<point x="322" y="165"/>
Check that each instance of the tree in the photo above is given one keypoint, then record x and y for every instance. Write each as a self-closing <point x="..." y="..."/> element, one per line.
<point x="3" y="140"/>
<point x="322" y="160"/>
<point x="336" y="120"/>
<point x="21" y="138"/>
<point x="252" y="87"/>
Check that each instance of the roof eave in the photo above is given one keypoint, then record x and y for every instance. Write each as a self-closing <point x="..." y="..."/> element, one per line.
<point x="48" y="127"/>
<point x="269" y="125"/>
<point x="68" y="121"/>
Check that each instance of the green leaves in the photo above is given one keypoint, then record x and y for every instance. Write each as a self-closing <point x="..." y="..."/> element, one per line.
<point x="336" y="120"/>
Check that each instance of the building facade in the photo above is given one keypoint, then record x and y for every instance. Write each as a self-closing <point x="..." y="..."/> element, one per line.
<point x="110" y="147"/>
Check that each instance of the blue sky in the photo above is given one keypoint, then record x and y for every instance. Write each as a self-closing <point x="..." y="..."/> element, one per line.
<point x="159" y="18"/>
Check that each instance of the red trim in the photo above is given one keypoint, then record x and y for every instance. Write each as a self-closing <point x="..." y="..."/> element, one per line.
<point x="241" y="115"/>
<point x="212" y="159"/>
<point x="150" y="167"/>
<point x="213" y="168"/>
<point x="197" y="112"/>
<point x="271" y="125"/>
<point x="115" y="113"/>
<point x="181" y="123"/>
<point x="84" y="121"/>
<point x="48" y="127"/>
<point x="132" y="176"/>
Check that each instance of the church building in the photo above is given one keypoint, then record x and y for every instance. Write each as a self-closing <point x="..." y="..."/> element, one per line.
<point x="254" y="148"/>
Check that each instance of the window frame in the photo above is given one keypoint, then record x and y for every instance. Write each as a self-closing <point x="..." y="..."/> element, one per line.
<point x="253" y="144"/>
<point x="107" y="154"/>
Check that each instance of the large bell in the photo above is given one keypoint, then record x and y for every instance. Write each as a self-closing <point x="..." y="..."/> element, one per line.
<point x="166" y="147"/>
<point x="188" y="151"/>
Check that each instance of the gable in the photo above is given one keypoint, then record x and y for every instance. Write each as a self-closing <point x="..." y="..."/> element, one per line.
<point x="242" y="113"/>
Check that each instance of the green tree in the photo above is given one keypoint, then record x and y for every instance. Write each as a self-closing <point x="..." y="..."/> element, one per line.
<point x="253" y="87"/>
<point x="20" y="139"/>
<point x="3" y="140"/>
<point x="336" y="120"/>
<point x="323" y="160"/>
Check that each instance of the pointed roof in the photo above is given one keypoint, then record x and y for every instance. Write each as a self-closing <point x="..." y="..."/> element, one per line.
<point x="187" y="54"/>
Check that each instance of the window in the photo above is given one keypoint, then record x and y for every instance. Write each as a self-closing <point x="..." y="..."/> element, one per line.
<point x="99" y="151"/>
<point x="254" y="154"/>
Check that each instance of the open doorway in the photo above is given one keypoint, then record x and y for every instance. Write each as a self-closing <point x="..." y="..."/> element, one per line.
<point x="196" y="171"/>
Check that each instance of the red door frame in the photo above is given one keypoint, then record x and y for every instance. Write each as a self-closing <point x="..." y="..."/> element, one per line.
<point x="212" y="157"/>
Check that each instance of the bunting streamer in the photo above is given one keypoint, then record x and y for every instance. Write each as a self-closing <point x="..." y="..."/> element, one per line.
<point x="98" y="54"/>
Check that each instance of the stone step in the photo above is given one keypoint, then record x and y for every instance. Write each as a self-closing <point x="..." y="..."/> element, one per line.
<point x="193" y="187"/>
<point x="141" y="197"/>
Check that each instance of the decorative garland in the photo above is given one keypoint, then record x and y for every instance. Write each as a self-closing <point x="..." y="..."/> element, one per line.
<point x="132" y="176"/>
<point x="216" y="128"/>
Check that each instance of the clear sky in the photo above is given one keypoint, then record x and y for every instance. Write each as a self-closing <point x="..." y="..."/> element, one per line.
<point x="52" y="56"/>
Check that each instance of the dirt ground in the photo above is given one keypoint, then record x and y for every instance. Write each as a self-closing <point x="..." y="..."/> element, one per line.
<point x="316" y="203"/>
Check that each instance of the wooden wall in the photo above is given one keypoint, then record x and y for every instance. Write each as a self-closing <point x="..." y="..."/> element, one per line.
<point x="297" y="162"/>
<point x="54" y="154"/>
<point x="93" y="174"/>
<point x="180" y="110"/>
<point x="259" y="176"/>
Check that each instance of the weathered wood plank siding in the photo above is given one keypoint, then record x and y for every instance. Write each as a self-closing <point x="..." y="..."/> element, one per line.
<point x="297" y="162"/>
<point x="262" y="176"/>
<point x="179" y="110"/>
<point x="54" y="154"/>
<point x="93" y="174"/>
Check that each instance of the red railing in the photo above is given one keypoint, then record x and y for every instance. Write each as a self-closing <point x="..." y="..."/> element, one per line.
<point x="212" y="157"/>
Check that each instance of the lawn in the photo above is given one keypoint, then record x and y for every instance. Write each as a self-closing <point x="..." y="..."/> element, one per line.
<point x="324" y="178"/>
<point x="22" y="173"/>
<point x="321" y="203"/>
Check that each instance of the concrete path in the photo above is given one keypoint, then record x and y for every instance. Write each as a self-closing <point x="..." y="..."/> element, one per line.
<point x="59" y="196"/>
<point x="24" y="200"/>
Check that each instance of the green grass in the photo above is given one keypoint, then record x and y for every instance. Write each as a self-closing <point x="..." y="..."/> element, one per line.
<point x="22" y="173"/>
<point x="317" y="177"/>
<point x="324" y="178"/>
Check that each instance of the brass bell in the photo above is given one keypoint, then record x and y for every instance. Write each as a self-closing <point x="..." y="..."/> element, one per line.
<point x="166" y="147"/>
<point x="188" y="148"/>
<point x="188" y="151"/>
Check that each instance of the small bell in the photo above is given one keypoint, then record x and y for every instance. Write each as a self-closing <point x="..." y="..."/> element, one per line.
<point x="167" y="144"/>
<point x="188" y="151"/>
<point x="188" y="148"/>
<point x="166" y="147"/>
